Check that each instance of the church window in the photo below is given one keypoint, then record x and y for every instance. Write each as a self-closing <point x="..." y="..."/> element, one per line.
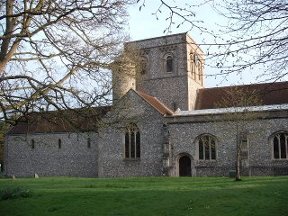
<point x="59" y="143"/>
<point x="89" y="142"/>
<point x="132" y="142"/>
<point x="280" y="146"/>
<point x="207" y="147"/>
<point x="196" y="59"/>
<point x="196" y="67"/>
<point x="169" y="64"/>
<point x="199" y="66"/>
<point x="32" y="143"/>
<point x="192" y="66"/>
<point x="143" y="66"/>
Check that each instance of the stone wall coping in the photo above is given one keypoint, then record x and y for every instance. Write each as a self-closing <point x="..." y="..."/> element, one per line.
<point x="233" y="110"/>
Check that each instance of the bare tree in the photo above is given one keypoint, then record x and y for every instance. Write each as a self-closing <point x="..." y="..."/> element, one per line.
<point x="238" y="102"/>
<point x="176" y="14"/>
<point x="56" y="54"/>
<point x="254" y="39"/>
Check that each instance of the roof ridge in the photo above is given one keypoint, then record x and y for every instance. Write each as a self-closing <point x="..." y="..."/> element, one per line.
<point x="245" y="85"/>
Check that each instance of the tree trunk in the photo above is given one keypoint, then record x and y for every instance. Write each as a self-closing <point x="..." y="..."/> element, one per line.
<point x="2" y="66"/>
<point x="238" y="159"/>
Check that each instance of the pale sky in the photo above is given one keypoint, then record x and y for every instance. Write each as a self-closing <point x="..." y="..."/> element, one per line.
<point x="142" y="25"/>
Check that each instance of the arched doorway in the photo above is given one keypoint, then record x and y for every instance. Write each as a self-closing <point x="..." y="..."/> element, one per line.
<point x="185" y="166"/>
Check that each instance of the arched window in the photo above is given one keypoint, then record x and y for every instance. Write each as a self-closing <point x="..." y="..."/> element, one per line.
<point x="207" y="147"/>
<point x="192" y="65"/>
<point x="144" y="65"/>
<point x="132" y="142"/>
<point x="280" y="145"/>
<point x="169" y="64"/>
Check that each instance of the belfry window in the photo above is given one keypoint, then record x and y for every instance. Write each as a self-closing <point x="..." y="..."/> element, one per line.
<point x="169" y="64"/>
<point x="144" y="66"/>
<point x="199" y="66"/>
<point x="132" y="142"/>
<point x="207" y="147"/>
<point x="192" y="65"/>
<point x="280" y="146"/>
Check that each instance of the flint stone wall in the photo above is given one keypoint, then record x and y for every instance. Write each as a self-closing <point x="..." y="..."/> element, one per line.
<point x="183" y="140"/>
<point x="112" y="162"/>
<point x="74" y="158"/>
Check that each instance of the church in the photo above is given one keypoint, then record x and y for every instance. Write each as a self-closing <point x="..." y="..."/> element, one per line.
<point x="163" y="122"/>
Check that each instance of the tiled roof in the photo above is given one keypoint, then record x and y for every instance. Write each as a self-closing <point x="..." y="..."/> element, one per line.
<point x="78" y="120"/>
<point x="267" y="94"/>
<point x="73" y="120"/>
<point x="153" y="101"/>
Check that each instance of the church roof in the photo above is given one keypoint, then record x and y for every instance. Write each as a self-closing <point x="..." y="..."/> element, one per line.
<point x="266" y="93"/>
<point x="154" y="102"/>
<point x="80" y="120"/>
<point x="77" y="120"/>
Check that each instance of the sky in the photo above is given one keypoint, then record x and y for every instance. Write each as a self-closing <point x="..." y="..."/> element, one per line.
<point x="143" y="24"/>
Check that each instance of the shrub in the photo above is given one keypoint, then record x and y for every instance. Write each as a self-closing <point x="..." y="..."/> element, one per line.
<point x="14" y="193"/>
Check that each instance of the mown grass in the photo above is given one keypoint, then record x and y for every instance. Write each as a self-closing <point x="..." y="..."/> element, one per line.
<point x="147" y="196"/>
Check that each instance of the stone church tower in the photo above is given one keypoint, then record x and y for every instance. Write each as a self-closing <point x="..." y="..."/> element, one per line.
<point x="172" y="70"/>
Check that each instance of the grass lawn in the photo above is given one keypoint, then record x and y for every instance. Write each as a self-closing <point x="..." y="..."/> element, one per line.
<point x="147" y="196"/>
